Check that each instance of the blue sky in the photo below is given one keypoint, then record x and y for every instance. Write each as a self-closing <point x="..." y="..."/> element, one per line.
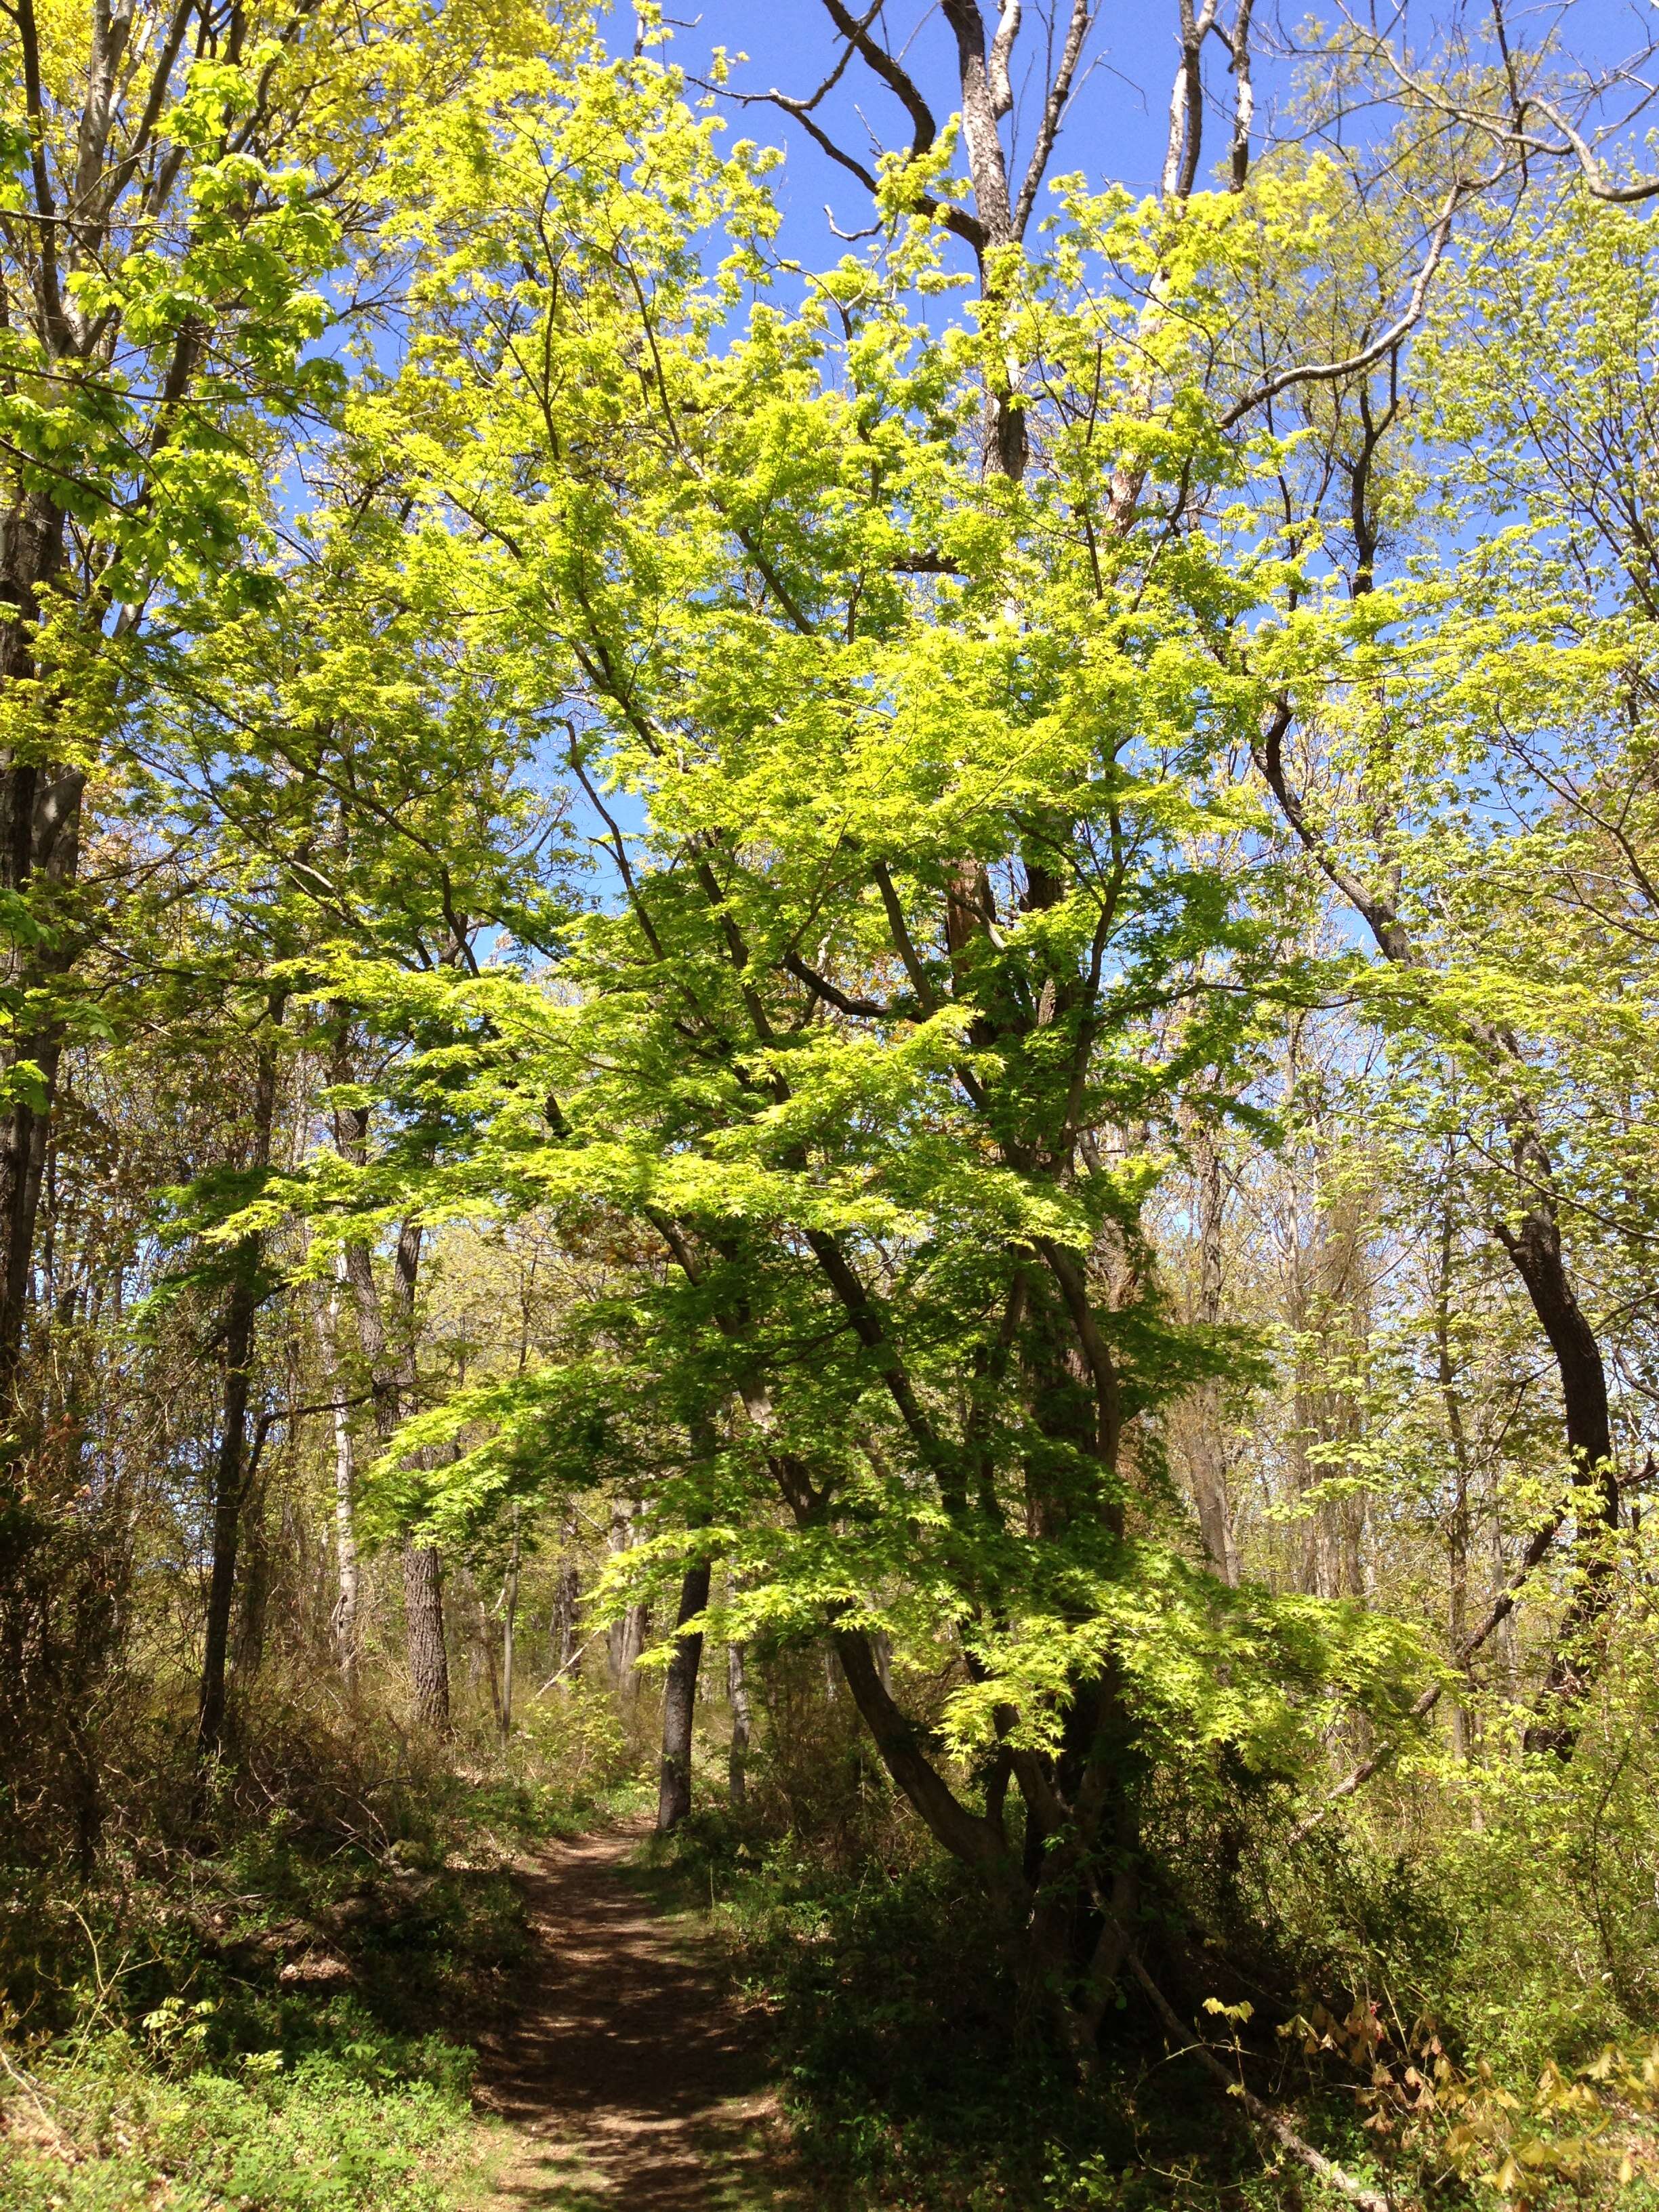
<point x="1118" y="125"/>
<point x="1117" y="129"/>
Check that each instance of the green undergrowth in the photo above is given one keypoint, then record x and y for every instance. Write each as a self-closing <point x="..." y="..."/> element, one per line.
<point x="370" y="2124"/>
<point x="911" y="2082"/>
<point x="913" y="2085"/>
<point x="270" y="2006"/>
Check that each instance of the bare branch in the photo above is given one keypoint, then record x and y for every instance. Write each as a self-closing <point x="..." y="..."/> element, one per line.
<point x="902" y="939"/>
<point x="821" y="137"/>
<point x="1054" y="111"/>
<point x="833" y="995"/>
<point x="1187" y="102"/>
<point x="855" y="29"/>
<point x="1002" y="91"/>
<point x="1595" y="176"/>
<point x="1331" y="372"/>
<point x="1335" y="2176"/>
<point x="986" y="165"/>
<point x="1512" y="134"/>
<point x="1503" y="1606"/>
<point x="1243" y="94"/>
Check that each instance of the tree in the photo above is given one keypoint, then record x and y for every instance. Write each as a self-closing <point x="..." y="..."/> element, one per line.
<point x="179" y="182"/>
<point x="873" y="1044"/>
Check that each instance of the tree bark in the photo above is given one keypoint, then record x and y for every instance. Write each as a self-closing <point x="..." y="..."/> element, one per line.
<point x="227" y="1511"/>
<point x="567" y="1596"/>
<point x="39" y="860"/>
<point x="679" y="1703"/>
<point x="736" y="1683"/>
<point x="509" y="1629"/>
<point x="1209" y="1457"/>
<point x="348" y="1572"/>
<point x="229" y="1463"/>
<point x="1457" y="1520"/>
<point x="423" y="1610"/>
<point x="252" y="1616"/>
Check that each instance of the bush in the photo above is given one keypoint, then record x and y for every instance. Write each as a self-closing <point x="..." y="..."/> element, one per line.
<point x="357" y="2130"/>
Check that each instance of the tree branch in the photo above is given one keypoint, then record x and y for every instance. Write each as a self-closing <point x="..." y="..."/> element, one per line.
<point x="866" y="1009"/>
<point x="855" y="29"/>
<point x="1053" y="110"/>
<point x="1503" y="1606"/>
<point x="1333" y="2176"/>
<point x="1332" y="372"/>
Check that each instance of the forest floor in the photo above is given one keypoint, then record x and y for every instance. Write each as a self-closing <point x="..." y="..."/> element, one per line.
<point x="625" y="2072"/>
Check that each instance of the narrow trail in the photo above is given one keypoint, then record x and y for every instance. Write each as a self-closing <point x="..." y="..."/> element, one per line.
<point x="626" y="2074"/>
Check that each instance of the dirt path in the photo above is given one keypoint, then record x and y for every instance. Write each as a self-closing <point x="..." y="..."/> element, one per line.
<point x="627" y="2075"/>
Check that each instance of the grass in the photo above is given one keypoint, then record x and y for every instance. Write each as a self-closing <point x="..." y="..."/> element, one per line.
<point x="281" y="2024"/>
<point x="363" y="2128"/>
<point x="909" y="2082"/>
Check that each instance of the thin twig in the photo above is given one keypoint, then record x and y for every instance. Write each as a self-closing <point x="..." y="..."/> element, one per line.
<point x="1503" y="1606"/>
<point x="1331" y="372"/>
<point x="559" y="1674"/>
<point x="1333" y="2176"/>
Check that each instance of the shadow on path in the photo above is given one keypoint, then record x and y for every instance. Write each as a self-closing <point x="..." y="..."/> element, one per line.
<point x="625" y="2072"/>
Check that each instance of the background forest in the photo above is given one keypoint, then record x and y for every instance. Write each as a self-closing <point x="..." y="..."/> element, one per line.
<point x="847" y="1026"/>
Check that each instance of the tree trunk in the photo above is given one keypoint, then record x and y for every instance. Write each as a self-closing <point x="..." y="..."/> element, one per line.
<point x="348" y="1603"/>
<point x="509" y="1626"/>
<point x="736" y="1683"/>
<point x="39" y="851"/>
<point x="567" y="1596"/>
<point x="248" y="1653"/>
<point x="229" y="1471"/>
<point x="1536" y="1251"/>
<point x="635" y="1634"/>
<point x="1209" y="1456"/>
<point x="226" y="1510"/>
<point x="423" y="1610"/>
<point x="679" y="1703"/>
<point x="1537" y="1254"/>
<point x="1457" y="1520"/>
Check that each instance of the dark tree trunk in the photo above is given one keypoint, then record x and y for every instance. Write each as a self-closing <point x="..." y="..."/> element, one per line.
<point x="226" y="1513"/>
<point x="1457" y="1519"/>
<point x="509" y="1630"/>
<point x="254" y="1606"/>
<point x="1536" y="1250"/>
<point x="39" y="853"/>
<point x="566" y="1598"/>
<point x="231" y="1470"/>
<point x="51" y="850"/>
<point x="1537" y="1254"/>
<point x="679" y="1704"/>
<point x="1209" y="1456"/>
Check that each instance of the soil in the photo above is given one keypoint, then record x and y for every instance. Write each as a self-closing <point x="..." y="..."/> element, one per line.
<point x="627" y="2073"/>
